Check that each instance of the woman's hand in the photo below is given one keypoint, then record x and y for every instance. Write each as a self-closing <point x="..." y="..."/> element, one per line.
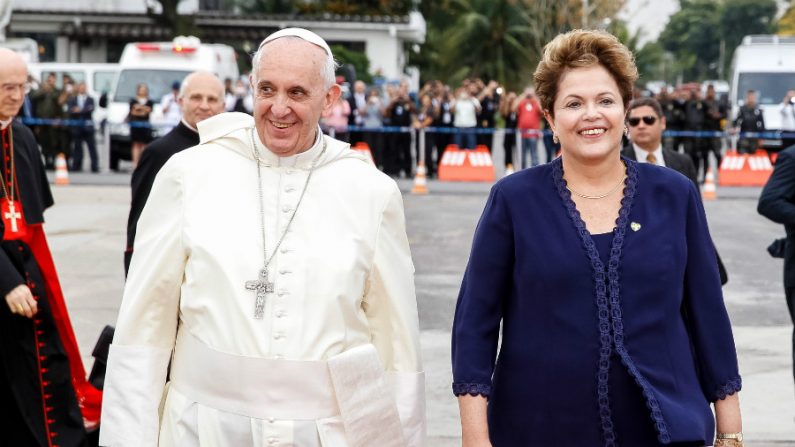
<point x="21" y="302"/>
<point x="474" y="423"/>
<point x="728" y="419"/>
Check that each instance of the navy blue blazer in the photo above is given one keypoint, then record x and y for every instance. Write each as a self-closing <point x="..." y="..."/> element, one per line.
<point x="777" y="203"/>
<point x="655" y="311"/>
<point x="85" y="113"/>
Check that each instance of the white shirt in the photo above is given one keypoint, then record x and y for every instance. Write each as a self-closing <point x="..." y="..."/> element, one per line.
<point x="343" y="278"/>
<point x="466" y="112"/>
<point x="171" y="112"/>
<point x="641" y="154"/>
<point x="787" y="116"/>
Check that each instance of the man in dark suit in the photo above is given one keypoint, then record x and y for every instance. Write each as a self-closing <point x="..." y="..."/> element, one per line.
<point x="201" y="96"/>
<point x="81" y="108"/>
<point x="646" y="123"/>
<point x="777" y="203"/>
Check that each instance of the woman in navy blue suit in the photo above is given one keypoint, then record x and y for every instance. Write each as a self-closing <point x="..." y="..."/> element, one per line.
<point x="601" y="273"/>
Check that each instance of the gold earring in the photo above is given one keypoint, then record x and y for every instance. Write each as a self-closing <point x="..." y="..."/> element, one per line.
<point x="626" y="131"/>
<point x="555" y="138"/>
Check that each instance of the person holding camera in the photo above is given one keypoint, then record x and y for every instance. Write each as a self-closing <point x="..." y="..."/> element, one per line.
<point x="528" y="116"/>
<point x="787" y="111"/>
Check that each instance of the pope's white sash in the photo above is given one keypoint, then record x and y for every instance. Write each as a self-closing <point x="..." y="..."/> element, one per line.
<point x="350" y="385"/>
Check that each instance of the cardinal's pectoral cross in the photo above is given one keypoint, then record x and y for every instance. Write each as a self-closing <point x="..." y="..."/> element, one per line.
<point x="263" y="288"/>
<point x="12" y="215"/>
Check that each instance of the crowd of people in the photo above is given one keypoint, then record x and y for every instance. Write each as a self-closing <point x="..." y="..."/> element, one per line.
<point x="385" y="115"/>
<point x="469" y="115"/>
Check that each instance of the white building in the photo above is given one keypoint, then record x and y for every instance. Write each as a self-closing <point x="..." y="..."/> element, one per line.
<point x="97" y="30"/>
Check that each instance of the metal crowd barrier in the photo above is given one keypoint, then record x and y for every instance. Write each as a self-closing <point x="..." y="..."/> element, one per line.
<point x="417" y="134"/>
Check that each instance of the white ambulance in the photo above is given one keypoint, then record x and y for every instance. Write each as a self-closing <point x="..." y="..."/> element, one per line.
<point x="159" y="65"/>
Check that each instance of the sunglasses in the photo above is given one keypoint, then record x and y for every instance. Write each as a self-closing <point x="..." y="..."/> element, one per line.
<point x="648" y="120"/>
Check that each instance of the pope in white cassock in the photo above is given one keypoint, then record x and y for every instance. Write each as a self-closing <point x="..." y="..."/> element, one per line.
<point x="272" y="272"/>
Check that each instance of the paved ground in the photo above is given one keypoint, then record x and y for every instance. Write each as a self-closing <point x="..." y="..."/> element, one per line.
<point x="86" y="231"/>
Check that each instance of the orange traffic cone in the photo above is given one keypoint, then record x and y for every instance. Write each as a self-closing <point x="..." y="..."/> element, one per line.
<point x="61" y="173"/>
<point x="420" y="180"/>
<point x="709" y="192"/>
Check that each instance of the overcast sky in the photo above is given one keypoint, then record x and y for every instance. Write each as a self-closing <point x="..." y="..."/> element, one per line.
<point x="650" y="16"/>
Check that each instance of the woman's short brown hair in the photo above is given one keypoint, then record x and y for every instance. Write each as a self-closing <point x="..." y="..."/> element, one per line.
<point x="583" y="48"/>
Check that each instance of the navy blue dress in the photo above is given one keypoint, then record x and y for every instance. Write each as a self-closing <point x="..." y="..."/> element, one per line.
<point x="628" y="348"/>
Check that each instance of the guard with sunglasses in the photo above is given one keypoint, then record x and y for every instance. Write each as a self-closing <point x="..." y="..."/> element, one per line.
<point x="646" y="124"/>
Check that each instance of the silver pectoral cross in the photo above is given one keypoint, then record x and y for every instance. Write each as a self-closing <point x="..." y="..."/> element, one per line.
<point x="262" y="287"/>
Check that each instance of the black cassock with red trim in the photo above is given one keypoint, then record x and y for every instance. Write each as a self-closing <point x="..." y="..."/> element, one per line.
<point x="44" y="397"/>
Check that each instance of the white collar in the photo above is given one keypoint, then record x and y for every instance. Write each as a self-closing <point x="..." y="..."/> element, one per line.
<point x="641" y="154"/>
<point x="300" y="160"/>
<point x="188" y="125"/>
<point x="4" y="124"/>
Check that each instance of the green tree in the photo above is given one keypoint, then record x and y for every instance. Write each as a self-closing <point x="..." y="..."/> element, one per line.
<point x="740" y="18"/>
<point x="696" y="33"/>
<point x="498" y="39"/>
<point x="692" y="35"/>
<point x="179" y="24"/>
<point x="266" y="6"/>
<point x="786" y="24"/>
<point x="487" y="40"/>
<point x="361" y="7"/>
<point x="357" y="59"/>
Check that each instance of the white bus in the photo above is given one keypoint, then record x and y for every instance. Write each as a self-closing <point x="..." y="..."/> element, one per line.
<point x="159" y="65"/>
<point x="765" y="64"/>
<point x="99" y="78"/>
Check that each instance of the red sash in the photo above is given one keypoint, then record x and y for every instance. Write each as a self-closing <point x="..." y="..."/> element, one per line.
<point x="88" y="397"/>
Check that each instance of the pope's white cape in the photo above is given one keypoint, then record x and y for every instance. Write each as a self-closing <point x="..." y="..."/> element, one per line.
<point x="343" y="279"/>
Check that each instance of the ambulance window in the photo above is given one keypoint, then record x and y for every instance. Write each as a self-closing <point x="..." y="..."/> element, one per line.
<point x="158" y="81"/>
<point x="103" y="81"/>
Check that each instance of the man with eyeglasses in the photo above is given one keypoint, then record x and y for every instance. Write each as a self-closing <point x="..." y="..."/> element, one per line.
<point x="646" y="124"/>
<point x="43" y="387"/>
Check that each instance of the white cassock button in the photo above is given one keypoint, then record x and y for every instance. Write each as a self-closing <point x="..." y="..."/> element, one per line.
<point x="286" y="209"/>
<point x="283" y="250"/>
<point x="278" y="356"/>
<point x="282" y="292"/>
<point x="271" y="420"/>
<point x="278" y="336"/>
<point x="272" y="440"/>
<point x="284" y="271"/>
<point x="289" y="172"/>
<point x="289" y="189"/>
<point x="280" y="313"/>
